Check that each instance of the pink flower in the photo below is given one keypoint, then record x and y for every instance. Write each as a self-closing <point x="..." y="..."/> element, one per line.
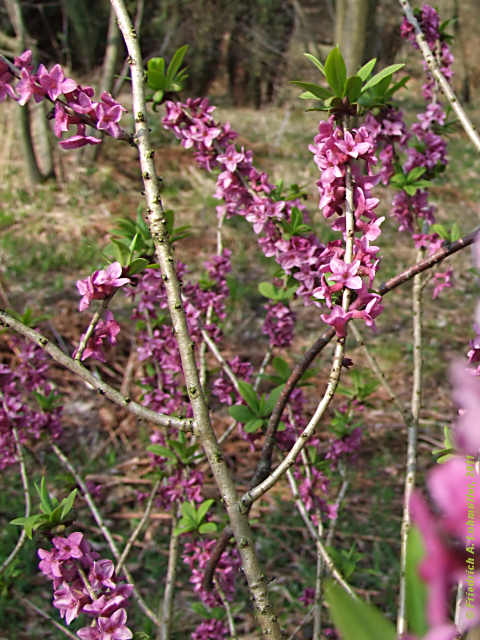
<point x="106" y="329"/>
<point x="80" y="139"/>
<point x="28" y="87"/>
<point x="109" y="113"/>
<point x="69" y="548"/>
<point x="345" y="274"/>
<point x="54" y="83"/>
<point x="101" y="284"/>
<point x="338" y="320"/>
<point x="440" y="566"/>
<point x="442" y="280"/>
<point x="466" y="394"/>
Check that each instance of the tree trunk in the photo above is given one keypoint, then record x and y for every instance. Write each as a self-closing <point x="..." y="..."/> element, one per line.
<point x="24" y="113"/>
<point x="351" y="21"/>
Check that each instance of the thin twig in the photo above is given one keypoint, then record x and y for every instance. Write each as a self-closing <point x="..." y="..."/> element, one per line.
<point x="411" y="447"/>
<point x="317" y="626"/>
<point x="306" y="618"/>
<point x="82" y="372"/>
<point x="26" y="492"/>
<point x="105" y="531"/>
<point x="372" y="361"/>
<point x="168" y="595"/>
<point x="228" y="610"/>
<point x="225" y="366"/>
<point x="138" y="528"/>
<point x="44" y="614"/>
<point x="265" y="362"/>
<point x="91" y="328"/>
<point x="314" y="533"/>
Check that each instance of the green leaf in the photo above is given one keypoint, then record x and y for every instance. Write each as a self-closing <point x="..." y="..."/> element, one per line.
<point x="381" y="75"/>
<point x="336" y="71"/>
<point x="365" y="71"/>
<point x="253" y="425"/>
<point x="355" y="619"/>
<point x="30" y="524"/>
<point x="159" y="450"/>
<point x="320" y="93"/>
<point x="203" y="509"/>
<point x="281" y="367"/>
<point x="267" y="290"/>
<point x="45" y="502"/>
<point x="353" y="88"/>
<point x="200" y="609"/>
<point x="398" y="85"/>
<point x="241" y="413"/>
<point x="207" y="527"/>
<point x="184" y="528"/>
<point x="249" y="394"/>
<point x="188" y="511"/>
<point x="316" y="62"/>
<point x="156" y="64"/>
<point x="67" y="504"/>
<point x="176" y="62"/>
<point x="156" y="81"/>
<point x="415" y="173"/>
<point x="455" y="232"/>
<point x="137" y="266"/>
<point x="410" y="189"/>
<point x="440" y="230"/>
<point x="272" y="400"/>
<point x="416" y="590"/>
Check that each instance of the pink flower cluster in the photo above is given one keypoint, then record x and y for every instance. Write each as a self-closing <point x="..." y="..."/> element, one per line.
<point x="85" y="583"/>
<point x="77" y="108"/>
<point x="245" y="191"/>
<point x="279" y="324"/>
<point x="223" y="388"/>
<point x="311" y="486"/>
<point x="105" y="330"/>
<point x="196" y="554"/>
<point x="210" y="630"/>
<point x="17" y="385"/>
<point x="101" y="285"/>
<point x="427" y="148"/>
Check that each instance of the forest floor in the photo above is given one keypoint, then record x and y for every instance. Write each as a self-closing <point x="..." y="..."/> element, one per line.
<point x="54" y="234"/>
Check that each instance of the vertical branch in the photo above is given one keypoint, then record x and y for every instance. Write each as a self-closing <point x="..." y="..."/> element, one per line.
<point x="317" y="603"/>
<point x="208" y="317"/>
<point x="289" y="460"/>
<point x="146" y="514"/>
<point x="411" y="444"/>
<point x="26" y="492"/>
<point x="167" y="608"/>
<point x="228" y="610"/>
<point x="439" y="77"/>
<point x="158" y="226"/>
<point x="317" y="607"/>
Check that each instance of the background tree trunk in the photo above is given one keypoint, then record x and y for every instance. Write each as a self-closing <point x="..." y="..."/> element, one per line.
<point x="351" y="20"/>
<point x="25" y="120"/>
